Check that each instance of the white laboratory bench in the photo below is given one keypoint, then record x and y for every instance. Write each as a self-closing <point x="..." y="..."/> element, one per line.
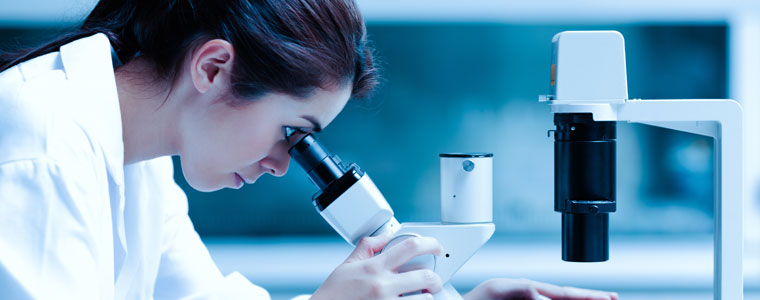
<point x="640" y="267"/>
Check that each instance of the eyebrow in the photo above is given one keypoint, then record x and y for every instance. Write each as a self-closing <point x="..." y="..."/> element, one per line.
<point x="314" y="123"/>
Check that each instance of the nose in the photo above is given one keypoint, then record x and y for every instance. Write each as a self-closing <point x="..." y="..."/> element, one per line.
<point x="278" y="160"/>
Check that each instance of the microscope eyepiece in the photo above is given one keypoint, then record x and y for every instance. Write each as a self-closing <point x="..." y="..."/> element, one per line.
<point x="584" y="184"/>
<point x="321" y="167"/>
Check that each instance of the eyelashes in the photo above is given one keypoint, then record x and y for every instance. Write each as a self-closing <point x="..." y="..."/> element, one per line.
<point x="289" y="131"/>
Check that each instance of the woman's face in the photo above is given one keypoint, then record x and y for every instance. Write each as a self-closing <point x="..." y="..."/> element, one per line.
<point x="225" y="145"/>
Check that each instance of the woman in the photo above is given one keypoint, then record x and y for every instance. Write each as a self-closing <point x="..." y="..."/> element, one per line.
<point x="88" y="206"/>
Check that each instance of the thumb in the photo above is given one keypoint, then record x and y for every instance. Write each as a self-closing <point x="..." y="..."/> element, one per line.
<point x="368" y="246"/>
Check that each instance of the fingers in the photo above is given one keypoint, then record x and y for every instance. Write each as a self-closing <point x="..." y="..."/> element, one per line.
<point x="410" y="248"/>
<point x="522" y="288"/>
<point x="417" y="280"/>
<point x="507" y="289"/>
<point x="572" y="293"/>
<point x="568" y="293"/>
<point x="368" y="246"/>
<point x="382" y="269"/>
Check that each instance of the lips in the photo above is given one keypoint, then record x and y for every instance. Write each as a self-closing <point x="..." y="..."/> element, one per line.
<point x="245" y="179"/>
<point x="239" y="181"/>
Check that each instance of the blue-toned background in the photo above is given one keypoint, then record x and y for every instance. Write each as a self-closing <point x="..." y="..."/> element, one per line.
<point x="466" y="78"/>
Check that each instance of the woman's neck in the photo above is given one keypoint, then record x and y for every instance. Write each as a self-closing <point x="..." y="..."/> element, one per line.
<point x="146" y="113"/>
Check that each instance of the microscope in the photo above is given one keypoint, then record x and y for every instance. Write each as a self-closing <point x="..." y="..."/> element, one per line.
<point x="589" y="94"/>
<point x="351" y="203"/>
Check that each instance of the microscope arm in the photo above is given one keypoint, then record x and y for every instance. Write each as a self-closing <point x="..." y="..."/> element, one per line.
<point x="693" y="113"/>
<point x="459" y="241"/>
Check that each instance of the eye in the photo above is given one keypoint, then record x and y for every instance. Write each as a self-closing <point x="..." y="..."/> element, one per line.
<point x="289" y="131"/>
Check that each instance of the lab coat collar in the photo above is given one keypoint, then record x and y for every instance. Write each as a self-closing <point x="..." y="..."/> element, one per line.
<point x="88" y="65"/>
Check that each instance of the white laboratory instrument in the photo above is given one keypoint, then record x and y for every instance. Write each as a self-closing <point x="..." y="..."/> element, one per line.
<point x="355" y="208"/>
<point x="588" y="92"/>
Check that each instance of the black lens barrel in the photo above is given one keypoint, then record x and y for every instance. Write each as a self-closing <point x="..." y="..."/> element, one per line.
<point x="584" y="184"/>
<point x="321" y="167"/>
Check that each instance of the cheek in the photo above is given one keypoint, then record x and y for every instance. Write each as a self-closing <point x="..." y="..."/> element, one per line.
<point x="205" y="164"/>
<point x="199" y="179"/>
<point x="212" y="153"/>
<point x="204" y="157"/>
<point x="244" y="144"/>
<point x="219" y="140"/>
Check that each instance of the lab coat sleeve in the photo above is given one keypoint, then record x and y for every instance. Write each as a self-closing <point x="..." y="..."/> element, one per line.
<point x="186" y="270"/>
<point x="50" y="225"/>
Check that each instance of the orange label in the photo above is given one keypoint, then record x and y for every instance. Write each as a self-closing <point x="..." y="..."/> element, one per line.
<point x="554" y="74"/>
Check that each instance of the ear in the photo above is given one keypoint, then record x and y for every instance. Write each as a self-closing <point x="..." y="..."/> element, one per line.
<point x="211" y="64"/>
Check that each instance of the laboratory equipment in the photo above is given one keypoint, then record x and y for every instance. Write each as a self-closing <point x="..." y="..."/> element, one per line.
<point x="351" y="203"/>
<point x="584" y="184"/>
<point x="466" y="187"/>
<point x="589" y="93"/>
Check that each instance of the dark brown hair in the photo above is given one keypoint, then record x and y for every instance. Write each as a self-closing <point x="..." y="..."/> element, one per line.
<point x="283" y="46"/>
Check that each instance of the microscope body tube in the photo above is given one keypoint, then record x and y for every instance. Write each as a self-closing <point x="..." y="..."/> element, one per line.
<point x="355" y="208"/>
<point x="347" y="198"/>
<point x="584" y="184"/>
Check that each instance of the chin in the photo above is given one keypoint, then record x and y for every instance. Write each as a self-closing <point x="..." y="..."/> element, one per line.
<point x="204" y="187"/>
<point x="201" y="184"/>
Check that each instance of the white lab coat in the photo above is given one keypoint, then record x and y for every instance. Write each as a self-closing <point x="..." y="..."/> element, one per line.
<point x="75" y="222"/>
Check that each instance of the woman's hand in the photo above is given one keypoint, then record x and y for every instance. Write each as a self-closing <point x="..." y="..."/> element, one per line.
<point x="366" y="276"/>
<point x="502" y="289"/>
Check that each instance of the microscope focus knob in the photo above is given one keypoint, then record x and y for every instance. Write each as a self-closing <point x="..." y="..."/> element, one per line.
<point x="426" y="261"/>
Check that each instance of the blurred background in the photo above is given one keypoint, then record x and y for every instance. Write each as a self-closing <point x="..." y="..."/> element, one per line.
<point x="464" y="76"/>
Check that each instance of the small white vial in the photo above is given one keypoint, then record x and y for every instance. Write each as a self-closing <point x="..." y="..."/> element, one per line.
<point x="466" y="187"/>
